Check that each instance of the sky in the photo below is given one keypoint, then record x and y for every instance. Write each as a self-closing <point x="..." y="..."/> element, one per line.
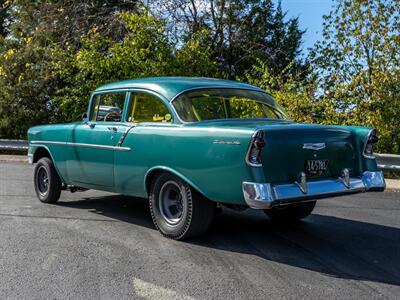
<point x="310" y="14"/>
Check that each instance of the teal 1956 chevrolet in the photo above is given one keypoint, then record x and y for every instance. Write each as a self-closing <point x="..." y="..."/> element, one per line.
<point x="193" y="144"/>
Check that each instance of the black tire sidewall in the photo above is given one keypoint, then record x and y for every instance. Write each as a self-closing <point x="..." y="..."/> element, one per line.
<point x="54" y="189"/>
<point x="177" y="230"/>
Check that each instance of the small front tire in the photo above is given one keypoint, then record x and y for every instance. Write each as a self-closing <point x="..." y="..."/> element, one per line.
<point x="290" y="213"/>
<point x="46" y="181"/>
<point x="178" y="211"/>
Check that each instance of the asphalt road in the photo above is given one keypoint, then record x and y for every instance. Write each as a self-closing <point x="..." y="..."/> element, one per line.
<point x="101" y="245"/>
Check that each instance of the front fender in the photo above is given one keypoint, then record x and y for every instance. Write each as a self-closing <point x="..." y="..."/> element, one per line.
<point x="32" y="150"/>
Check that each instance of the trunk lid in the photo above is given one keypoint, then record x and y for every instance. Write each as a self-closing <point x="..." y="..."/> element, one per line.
<point x="289" y="147"/>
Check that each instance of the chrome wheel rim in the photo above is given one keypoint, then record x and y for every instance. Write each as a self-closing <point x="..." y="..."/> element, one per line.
<point x="171" y="202"/>
<point x="42" y="181"/>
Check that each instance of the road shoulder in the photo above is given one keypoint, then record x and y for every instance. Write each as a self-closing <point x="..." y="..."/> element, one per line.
<point x="13" y="158"/>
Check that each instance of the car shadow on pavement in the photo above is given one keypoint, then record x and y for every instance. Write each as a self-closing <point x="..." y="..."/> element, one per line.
<point x="333" y="246"/>
<point x="119" y="207"/>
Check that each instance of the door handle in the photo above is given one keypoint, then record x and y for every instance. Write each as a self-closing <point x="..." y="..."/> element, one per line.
<point x="112" y="128"/>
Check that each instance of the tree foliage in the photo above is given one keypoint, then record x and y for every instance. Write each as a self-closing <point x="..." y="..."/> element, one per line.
<point x="239" y="32"/>
<point x="41" y="35"/>
<point x="296" y="93"/>
<point x="358" y="63"/>
<point x="53" y="54"/>
<point x="145" y="51"/>
<point x="47" y="72"/>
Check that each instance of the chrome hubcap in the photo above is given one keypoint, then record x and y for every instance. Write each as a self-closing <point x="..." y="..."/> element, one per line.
<point x="42" y="181"/>
<point x="171" y="202"/>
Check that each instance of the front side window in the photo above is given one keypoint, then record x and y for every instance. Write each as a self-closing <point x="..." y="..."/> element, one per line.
<point x="213" y="104"/>
<point x="145" y="107"/>
<point x="108" y="107"/>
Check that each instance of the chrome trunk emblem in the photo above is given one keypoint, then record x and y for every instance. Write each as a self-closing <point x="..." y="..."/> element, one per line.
<point x="314" y="146"/>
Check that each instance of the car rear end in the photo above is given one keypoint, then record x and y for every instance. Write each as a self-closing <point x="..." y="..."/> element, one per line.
<point x="300" y="162"/>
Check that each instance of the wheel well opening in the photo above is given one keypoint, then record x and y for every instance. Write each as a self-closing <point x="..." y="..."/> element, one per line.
<point x="150" y="177"/>
<point x="40" y="153"/>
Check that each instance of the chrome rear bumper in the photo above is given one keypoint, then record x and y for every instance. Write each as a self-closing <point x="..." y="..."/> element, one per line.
<point x="267" y="195"/>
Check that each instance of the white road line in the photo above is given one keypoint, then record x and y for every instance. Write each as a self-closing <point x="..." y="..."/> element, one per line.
<point x="149" y="290"/>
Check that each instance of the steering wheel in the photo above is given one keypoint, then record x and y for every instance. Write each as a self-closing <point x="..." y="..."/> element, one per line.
<point x="112" y="116"/>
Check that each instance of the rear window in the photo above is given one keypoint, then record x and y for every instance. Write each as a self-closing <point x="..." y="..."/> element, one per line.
<point x="213" y="104"/>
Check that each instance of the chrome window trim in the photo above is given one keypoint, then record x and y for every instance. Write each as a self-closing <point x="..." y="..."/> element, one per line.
<point x="159" y="97"/>
<point x="373" y="130"/>
<point x="219" y="87"/>
<point x="97" y="146"/>
<point x="91" y="103"/>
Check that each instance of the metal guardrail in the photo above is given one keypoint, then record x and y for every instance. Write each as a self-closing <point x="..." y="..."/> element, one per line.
<point x="390" y="162"/>
<point x="13" y="145"/>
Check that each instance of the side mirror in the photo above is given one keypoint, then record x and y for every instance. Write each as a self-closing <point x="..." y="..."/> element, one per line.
<point x="85" y="118"/>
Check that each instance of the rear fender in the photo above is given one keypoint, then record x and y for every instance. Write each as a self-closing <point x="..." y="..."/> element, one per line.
<point x="152" y="171"/>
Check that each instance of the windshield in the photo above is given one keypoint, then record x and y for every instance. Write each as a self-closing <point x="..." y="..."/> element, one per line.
<point x="213" y="104"/>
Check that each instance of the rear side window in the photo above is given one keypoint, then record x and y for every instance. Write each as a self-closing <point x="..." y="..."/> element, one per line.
<point x="145" y="107"/>
<point x="108" y="107"/>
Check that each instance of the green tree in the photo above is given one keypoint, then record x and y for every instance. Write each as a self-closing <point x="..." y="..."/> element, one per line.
<point x="358" y="62"/>
<point x="38" y="36"/>
<point x="295" y="92"/>
<point x="4" y="17"/>
<point x="145" y="51"/>
<point x="54" y="53"/>
<point x="239" y="32"/>
<point x="48" y="69"/>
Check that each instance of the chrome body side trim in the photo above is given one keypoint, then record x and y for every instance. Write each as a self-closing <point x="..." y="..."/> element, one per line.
<point x="267" y="195"/>
<point x="105" y="147"/>
<point x="123" y="136"/>
<point x="226" y="142"/>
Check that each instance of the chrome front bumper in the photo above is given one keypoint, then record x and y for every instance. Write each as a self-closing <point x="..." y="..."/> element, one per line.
<point x="268" y="195"/>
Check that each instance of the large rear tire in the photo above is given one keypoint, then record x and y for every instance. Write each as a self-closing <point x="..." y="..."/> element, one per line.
<point x="290" y="213"/>
<point x="179" y="211"/>
<point x="46" y="181"/>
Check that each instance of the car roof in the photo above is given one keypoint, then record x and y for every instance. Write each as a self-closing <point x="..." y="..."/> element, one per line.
<point x="169" y="87"/>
